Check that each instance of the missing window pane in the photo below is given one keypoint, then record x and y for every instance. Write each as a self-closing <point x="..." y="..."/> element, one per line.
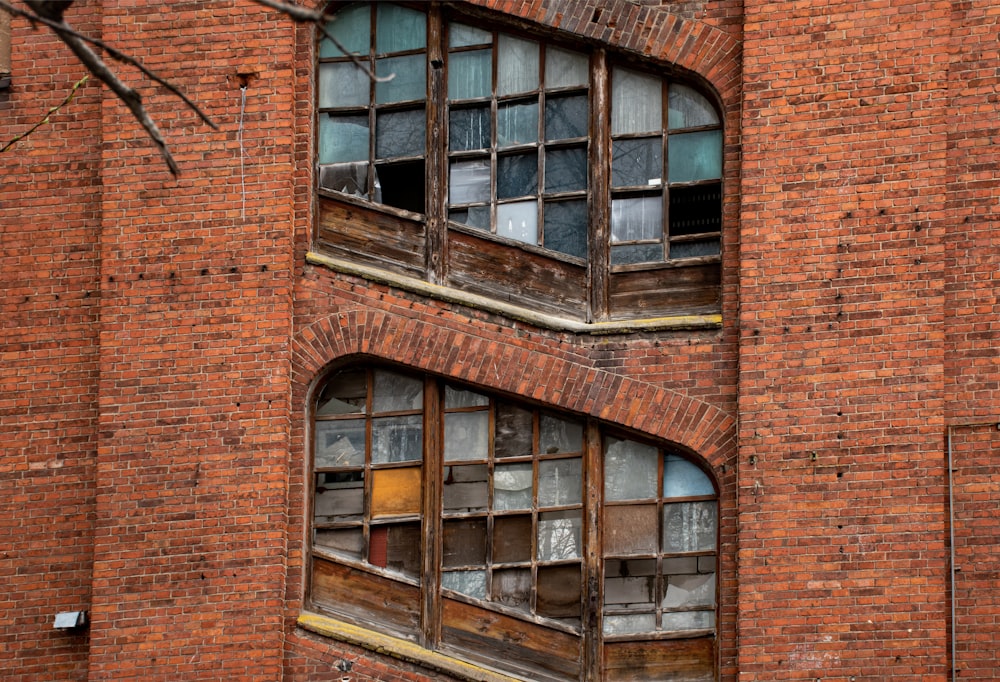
<point x="348" y="178"/>
<point x="690" y="591"/>
<point x="402" y="184"/>
<point x="474" y="216"/>
<point x="517" y="176"/>
<point x="566" y="118"/>
<point x="695" y="210"/>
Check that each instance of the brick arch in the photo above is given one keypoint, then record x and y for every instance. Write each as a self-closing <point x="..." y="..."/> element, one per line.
<point x="524" y="369"/>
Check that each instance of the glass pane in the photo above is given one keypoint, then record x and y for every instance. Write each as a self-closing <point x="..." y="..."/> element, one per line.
<point x="513" y="431"/>
<point x="695" y="156"/>
<point x="469" y="129"/>
<point x="399" y="28"/>
<point x="464" y="543"/>
<point x="352" y="29"/>
<point x="636" y="218"/>
<point x="630" y="470"/>
<point x="474" y="216"/>
<point x="512" y="486"/>
<point x="344" y="393"/>
<point x="512" y="588"/>
<point x="349" y="178"/>
<point x="469" y="182"/>
<point x="455" y="397"/>
<point x="630" y="529"/>
<point x="688" y="108"/>
<point x="566" y="170"/>
<point x="466" y="488"/>
<point x="636" y="103"/>
<point x="396" y="492"/>
<point x="343" y="138"/>
<point x="400" y="133"/>
<point x="343" y="84"/>
<point x="688" y="620"/>
<point x="559" y="435"/>
<point x="700" y="247"/>
<point x="566" y="117"/>
<point x="636" y="253"/>
<point x="684" y="564"/>
<point x="470" y="75"/>
<point x="689" y="527"/>
<point x="566" y="227"/>
<point x="637" y="162"/>
<point x="512" y="539"/>
<point x="559" y="535"/>
<point x="564" y="68"/>
<point x="690" y="591"/>
<point x="630" y="584"/>
<point x="460" y="35"/>
<point x="397" y="439"/>
<point x="629" y="624"/>
<point x="340" y="497"/>
<point x="560" y="482"/>
<point x="518" y="221"/>
<point x="347" y="541"/>
<point x="396" y="392"/>
<point x="559" y="590"/>
<point x="517" y="65"/>
<point x="340" y="443"/>
<point x="517" y="123"/>
<point x="466" y="435"/>
<point x="409" y="79"/>
<point x="696" y="210"/>
<point x="517" y="176"/>
<point x="471" y="583"/>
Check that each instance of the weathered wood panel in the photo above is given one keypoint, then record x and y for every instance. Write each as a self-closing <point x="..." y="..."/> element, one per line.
<point x="372" y="237"/>
<point x="689" y="290"/>
<point x="365" y="597"/>
<point x="677" y="660"/>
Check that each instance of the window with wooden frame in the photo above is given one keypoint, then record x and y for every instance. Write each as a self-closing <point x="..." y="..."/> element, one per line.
<point x="542" y="544"/>
<point x="562" y="178"/>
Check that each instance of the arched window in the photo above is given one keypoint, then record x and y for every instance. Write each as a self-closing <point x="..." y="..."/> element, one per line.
<point x="438" y="508"/>
<point x="552" y="175"/>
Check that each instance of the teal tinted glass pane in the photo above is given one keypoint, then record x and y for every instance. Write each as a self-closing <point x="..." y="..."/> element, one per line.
<point x="470" y="74"/>
<point x="566" y="117"/>
<point x="409" y="81"/>
<point x="460" y="35"/>
<point x="636" y="102"/>
<point x="637" y="162"/>
<point x="688" y="108"/>
<point x="343" y="138"/>
<point x="400" y="133"/>
<point x="636" y="218"/>
<point x="517" y="65"/>
<point x="517" y="175"/>
<point x="352" y="28"/>
<point x="695" y="156"/>
<point x="517" y="123"/>
<point x="343" y="84"/>
<point x="469" y="128"/>
<point x="566" y="227"/>
<point x="399" y="28"/>
<point x="566" y="170"/>
<point x="565" y="69"/>
<point x="682" y="478"/>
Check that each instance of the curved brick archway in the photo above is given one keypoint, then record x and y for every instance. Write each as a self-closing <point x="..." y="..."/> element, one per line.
<point x="520" y="368"/>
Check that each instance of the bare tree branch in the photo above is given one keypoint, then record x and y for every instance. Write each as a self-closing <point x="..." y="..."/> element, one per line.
<point x="48" y="114"/>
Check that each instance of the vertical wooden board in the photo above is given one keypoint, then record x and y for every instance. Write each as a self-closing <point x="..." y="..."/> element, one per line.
<point x="677" y="660"/>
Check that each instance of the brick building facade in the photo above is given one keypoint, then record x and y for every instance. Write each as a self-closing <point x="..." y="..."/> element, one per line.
<point x="832" y="368"/>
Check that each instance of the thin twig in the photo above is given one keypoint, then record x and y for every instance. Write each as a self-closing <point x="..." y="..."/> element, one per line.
<point x="52" y="110"/>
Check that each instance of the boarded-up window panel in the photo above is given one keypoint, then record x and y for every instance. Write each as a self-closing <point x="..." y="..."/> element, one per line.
<point x="630" y="529"/>
<point x="396" y="492"/>
<point x="366" y="598"/>
<point x="509" y="273"/>
<point x="533" y="651"/>
<point x="677" y="660"/>
<point x="692" y="290"/>
<point x="372" y="237"/>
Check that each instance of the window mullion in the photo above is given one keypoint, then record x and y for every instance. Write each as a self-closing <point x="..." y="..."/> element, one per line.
<point x="592" y="583"/>
<point x="430" y="613"/>
<point x="598" y="262"/>
<point x="437" y="157"/>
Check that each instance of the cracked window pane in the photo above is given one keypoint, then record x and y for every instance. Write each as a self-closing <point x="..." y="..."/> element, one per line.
<point x="343" y="138"/>
<point x="517" y="176"/>
<point x="689" y="591"/>
<point x="566" y="170"/>
<point x="469" y="128"/>
<point x="474" y="216"/>
<point x="566" y="117"/>
<point x="400" y="133"/>
<point x="637" y="163"/>
<point x="566" y="227"/>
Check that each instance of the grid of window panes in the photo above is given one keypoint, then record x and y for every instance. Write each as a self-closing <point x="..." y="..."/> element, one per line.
<point x="660" y="526"/>
<point x="368" y="464"/>
<point x="518" y="127"/>
<point x="666" y="188"/>
<point x="512" y="506"/>
<point x="372" y="132"/>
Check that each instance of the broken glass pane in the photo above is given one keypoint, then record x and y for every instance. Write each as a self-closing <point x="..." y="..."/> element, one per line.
<point x="469" y="128"/>
<point x="695" y="156"/>
<point x="456" y="397"/>
<point x="340" y="497"/>
<point x="351" y="27"/>
<point x="564" y="68"/>
<point x="629" y="624"/>
<point x="517" y="176"/>
<point x="340" y="443"/>
<point x="559" y="482"/>
<point x="343" y="84"/>
<point x="474" y="216"/>
<point x="466" y="435"/>
<point x="688" y="108"/>
<point x="559" y="535"/>
<point x="566" y="117"/>
<point x="694" y="249"/>
<point x="689" y="527"/>
<point x="349" y="178"/>
<point x="688" y="620"/>
<point x="637" y="162"/>
<point x="566" y="227"/>
<point x="399" y="29"/>
<point x="636" y="253"/>
<point x="409" y="78"/>
<point x="630" y="529"/>
<point x="512" y="538"/>
<point x="512" y="588"/>
<point x="630" y="470"/>
<point x="518" y="221"/>
<point x="400" y="133"/>
<point x="349" y="542"/>
<point x="471" y="583"/>
<point x="397" y="439"/>
<point x="512" y="487"/>
<point x="344" y="393"/>
<point x="470" y="74"/>
<point x="343" y="138"/>
<point x="566" y="170"/>
<point x="636" y="218"/>
<point x="396" y="392"/>
<point x="636" y="103"/>
<point x="517" y="123"/>
<point x="630" y="584"/>
<point x="559" y="591"/>
<point x="690" y="591"/>
<point x="513" y="431"/>
<point x="559" y="435"/>
<point x="682" y="478"/>
<point x="464" y="543"/>
<point x="460" y="35"/>
<point x="517" y="65"/>
<point x="466" y="488"/>
<point x="469" y="182"/>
